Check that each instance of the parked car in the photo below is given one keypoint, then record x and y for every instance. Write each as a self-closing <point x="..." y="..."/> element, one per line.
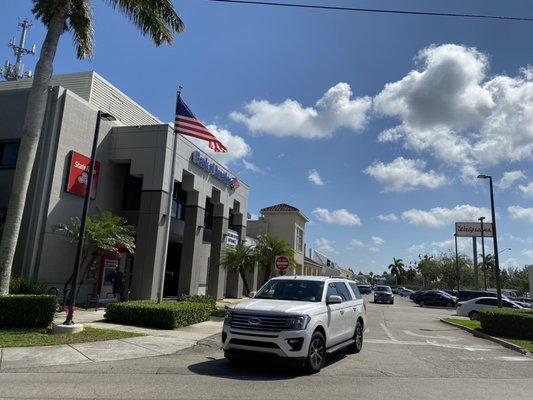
<point x="435" y="298"/>
<point x="299" y="318"/>
<point x="365" y="289"/>
<point x="406" y="292"/>
<point x="416" y="295"/>
<point x="471" y="308"/>
<point x="465" y="295"/>
<point x="397" y="289"/>
<point x="383" y="294"/>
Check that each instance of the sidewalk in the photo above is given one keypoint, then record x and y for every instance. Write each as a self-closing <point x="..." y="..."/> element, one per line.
<point x="157" y="342"/>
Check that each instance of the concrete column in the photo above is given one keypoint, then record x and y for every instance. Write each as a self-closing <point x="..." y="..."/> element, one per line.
<point x="216" y="275"/>
<point x="233" y="281"/>
<point x="251" y="277"/>
<point x="149" y="251"/>
<point x="192" y="243"/>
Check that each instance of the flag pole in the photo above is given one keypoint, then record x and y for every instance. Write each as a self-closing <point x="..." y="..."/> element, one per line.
<point x="169" y="209"/>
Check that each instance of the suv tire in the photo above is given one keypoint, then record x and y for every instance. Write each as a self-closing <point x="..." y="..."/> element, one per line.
<point x="358" y="337"/>
<point x="316" y="355"/>
<point x="473" y="315"/>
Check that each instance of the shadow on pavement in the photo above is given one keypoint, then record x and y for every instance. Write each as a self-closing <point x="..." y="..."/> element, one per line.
<point x="256" y="368"/>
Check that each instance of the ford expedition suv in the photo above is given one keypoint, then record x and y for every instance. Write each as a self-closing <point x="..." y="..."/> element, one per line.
<point x="297" y="317"/>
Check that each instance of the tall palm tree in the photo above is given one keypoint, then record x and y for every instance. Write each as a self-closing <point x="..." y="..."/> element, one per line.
<point x="240" y="258"/>
<point x="266" y="250"/>
<point x="487" y="266"/>
<point x="154" y="18"/>
<point x="397" y="268"/>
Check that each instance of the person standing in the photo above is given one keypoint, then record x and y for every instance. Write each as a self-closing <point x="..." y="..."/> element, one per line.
<point x="117" y="279"/>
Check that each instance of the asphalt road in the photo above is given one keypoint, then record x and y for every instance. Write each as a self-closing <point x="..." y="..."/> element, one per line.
<point x="408" y="354"/>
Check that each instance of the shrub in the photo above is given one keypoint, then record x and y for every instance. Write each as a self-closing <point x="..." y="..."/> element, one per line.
<point x="508" y="323"/>
<point x="204" y="298"/>
<point x="19" y="285"/>
<point x="166" y="315"/>
<point x="28" y="311"/>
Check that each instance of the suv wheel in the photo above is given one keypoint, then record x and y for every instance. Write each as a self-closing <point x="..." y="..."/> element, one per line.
<point x="358" y="337"/>
<point x="316" y="356"/>
<point x="473" y="315"/>
<point x="421" y="304"/>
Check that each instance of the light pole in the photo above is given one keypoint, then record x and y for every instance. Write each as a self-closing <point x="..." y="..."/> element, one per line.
<point x="457" y="263"/>
<point x="483" y="252"/>
<point x="86" y="201"/>
<point x="495" y="239"/>
<point x="501" y="251"/>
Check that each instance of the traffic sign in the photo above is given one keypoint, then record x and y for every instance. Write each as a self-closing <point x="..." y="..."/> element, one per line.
<point x="282" y="263"/>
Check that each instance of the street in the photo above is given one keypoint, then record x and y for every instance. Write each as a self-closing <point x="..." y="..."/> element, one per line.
<point x="408" y="354"/>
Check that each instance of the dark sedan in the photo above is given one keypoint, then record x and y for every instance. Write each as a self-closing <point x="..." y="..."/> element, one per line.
<point x="435" y="298"/>
<point x="383" y="294"/>
<point x="365" y="289"/>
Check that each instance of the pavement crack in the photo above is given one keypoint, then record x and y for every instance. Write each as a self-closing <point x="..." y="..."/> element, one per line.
<point x="88" y="358"/>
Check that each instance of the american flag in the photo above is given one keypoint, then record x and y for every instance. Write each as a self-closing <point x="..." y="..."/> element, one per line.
<point x="187" y="124"/>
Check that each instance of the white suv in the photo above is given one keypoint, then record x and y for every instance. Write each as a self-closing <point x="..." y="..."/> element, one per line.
<point x="297" y="317"/>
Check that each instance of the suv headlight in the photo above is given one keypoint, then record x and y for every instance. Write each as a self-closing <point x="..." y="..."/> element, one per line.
<point x="299" y="322"/>
<point x="227" y="318"/>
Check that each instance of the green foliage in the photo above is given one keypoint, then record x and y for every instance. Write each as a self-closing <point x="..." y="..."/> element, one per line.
<point x="19" y="285"/>
<point x="508" y="323"/>
<point x="31" y="311"/>
<point x="397" y="269"/>
<point x="266" y="250"/>
<point x="166" y="315"/>
<point x="240" y="258"/>
<point x="200" y="298"/>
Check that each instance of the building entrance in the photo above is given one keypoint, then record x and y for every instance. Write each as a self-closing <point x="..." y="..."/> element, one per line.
<point x="172" y="271"/>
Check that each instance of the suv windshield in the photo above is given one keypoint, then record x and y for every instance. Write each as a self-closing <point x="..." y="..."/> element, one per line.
<point x="382" y="289"/>
<point x="291" y="289"/>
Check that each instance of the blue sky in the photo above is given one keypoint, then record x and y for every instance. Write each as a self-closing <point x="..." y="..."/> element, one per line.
<point x="347" y="116"/>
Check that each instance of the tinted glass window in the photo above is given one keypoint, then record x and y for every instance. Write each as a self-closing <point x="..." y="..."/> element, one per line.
<point x="507" y="304"/>
<point x="383" y="289"/>
<point x="343" y="291"/>
<point x="285" y="289"/>
<point x="8" y="154"/>
<point x="355" y="290"/>
<point x="486" y="302"/>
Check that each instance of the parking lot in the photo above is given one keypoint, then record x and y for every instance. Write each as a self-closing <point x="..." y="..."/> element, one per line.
<point x="408" y="354"/>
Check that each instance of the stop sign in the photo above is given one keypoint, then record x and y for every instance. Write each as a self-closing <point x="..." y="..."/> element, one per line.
<point x="282" y="263"/>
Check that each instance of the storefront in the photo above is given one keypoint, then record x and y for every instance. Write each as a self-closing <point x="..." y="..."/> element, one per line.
<point x="134" y="162"/>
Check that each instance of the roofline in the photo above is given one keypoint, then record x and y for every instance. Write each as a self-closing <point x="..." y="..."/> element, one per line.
<point x="285" y="212"/>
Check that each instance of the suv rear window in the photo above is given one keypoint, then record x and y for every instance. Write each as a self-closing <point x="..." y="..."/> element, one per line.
<point x="355" y="290"/>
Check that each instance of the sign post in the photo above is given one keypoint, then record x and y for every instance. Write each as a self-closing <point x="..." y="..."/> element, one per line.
<point x="282" y="264"/>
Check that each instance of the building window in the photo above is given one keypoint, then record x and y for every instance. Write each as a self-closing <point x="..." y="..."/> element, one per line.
<point x="299" y="239"/>
<point x="208" y="216"/>
<point x="131" y="196"/>
<point x="8" y="153"/>
<point x="179" y="202"/>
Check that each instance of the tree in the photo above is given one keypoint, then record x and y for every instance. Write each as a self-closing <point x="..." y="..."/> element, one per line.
<point x="105" y="233"/>
<point x="487" y="266"/>
<point x="267" y="249"/>
<point x="240" y="258"/>
<point x="428" y="268"/>
<point x="397" y="268"/>
<point x="155" y="18"/>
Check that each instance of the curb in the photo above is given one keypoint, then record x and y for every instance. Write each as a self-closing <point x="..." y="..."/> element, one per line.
<point x="501" y="342"/>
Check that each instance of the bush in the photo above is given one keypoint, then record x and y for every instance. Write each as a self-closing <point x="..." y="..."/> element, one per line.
<point x="205" y="299"/>
<point x="19" y="285"/>
<point x="516" y="324"/>
<point x="28" y="311"/>
<point x="166" y="315"/>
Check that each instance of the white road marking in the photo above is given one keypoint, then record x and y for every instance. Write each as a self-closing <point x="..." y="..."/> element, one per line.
<point x="457" y="346"/>
<point x="432" y="343"/>
<point x="516" y="358"/>
<point x="450" y="338"/>
<point x="389" y="334"/>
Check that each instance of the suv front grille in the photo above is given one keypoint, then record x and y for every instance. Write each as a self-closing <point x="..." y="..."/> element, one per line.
<point x="259" y="322"/>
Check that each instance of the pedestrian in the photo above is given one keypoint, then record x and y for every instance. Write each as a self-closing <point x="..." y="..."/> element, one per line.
<point x="117" y="279"/>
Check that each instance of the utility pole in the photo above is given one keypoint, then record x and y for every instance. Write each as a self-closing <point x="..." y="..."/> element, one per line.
<point x="481" y="219"/>
<point x="14" y="72"/>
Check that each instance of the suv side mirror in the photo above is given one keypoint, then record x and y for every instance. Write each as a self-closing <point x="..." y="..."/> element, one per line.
<point x="334" y="299"/>
<point x="252" y="294"/>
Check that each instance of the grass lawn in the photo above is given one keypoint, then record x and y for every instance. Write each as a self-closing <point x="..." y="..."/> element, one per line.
<point x="526" y="344"/>
<point x="41" y="337"/>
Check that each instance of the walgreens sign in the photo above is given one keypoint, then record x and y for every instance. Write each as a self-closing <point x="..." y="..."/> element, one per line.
<point x="472" y="229"/>
<point x="78" y="174"/>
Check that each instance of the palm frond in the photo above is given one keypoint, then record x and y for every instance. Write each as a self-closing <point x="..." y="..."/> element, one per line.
<point x="81" y="23"/>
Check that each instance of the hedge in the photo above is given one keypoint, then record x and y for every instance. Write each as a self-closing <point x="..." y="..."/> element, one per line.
<point x="200" y="298"/>
<point x="166" y="315"/>
<point x="19" y="285"/>
<point x="27" y="311"/>
<point x="516" y="324"/>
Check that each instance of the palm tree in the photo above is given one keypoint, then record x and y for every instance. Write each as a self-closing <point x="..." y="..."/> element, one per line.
<point x="267" y="249"/>
<point x="397" y="268"/>
<point x="154" y="18"/>
<point x="488" y="265"/>
<point x="239" y="259"/>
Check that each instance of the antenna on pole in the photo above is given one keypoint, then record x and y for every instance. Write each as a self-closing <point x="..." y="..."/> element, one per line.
<point x="14" y="72"/>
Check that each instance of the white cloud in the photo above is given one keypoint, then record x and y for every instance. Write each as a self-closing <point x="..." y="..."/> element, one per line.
<point x="373" y="245"/>
<point x="325" y="245"/>
<point x="509" y="178"/>
<point x="469" y="175"/>
<point x="356" y="243"/>
<point x="527" y="253"/>
<point x="336" y="109"/>
<point x="388" y="217"/>
<point x="237" y="147"/>
<point x="377" y="241"/>
<point x="337" y="217"/>
<point x="403" y="174"/>
<point x="314" y="178"/>
<point x="416" y="248"/>
<point x="438" y="217"/>
<point x="517" y="212"/>
<point x="450" y="108"/>
<point x="252" y="167"/>
<point x="527" y="190"/>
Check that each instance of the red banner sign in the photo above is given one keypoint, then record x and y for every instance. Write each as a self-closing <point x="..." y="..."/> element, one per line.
<point x="78" y="174"/>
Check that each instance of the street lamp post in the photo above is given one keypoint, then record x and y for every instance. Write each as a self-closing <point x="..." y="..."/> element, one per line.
<point x="86" y="201"/>
<point x="457" y="264"/>
<point x="483" y="252"/>
<point x="495" y="239"/>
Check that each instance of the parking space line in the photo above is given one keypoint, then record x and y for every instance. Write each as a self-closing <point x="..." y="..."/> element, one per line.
<point x="449" y="338"/>
<point x="388" y="332"/>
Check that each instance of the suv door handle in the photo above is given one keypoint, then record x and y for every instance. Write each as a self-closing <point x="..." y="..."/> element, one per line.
<point x="342" y="312"/>
<point x="355" y="308"/>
